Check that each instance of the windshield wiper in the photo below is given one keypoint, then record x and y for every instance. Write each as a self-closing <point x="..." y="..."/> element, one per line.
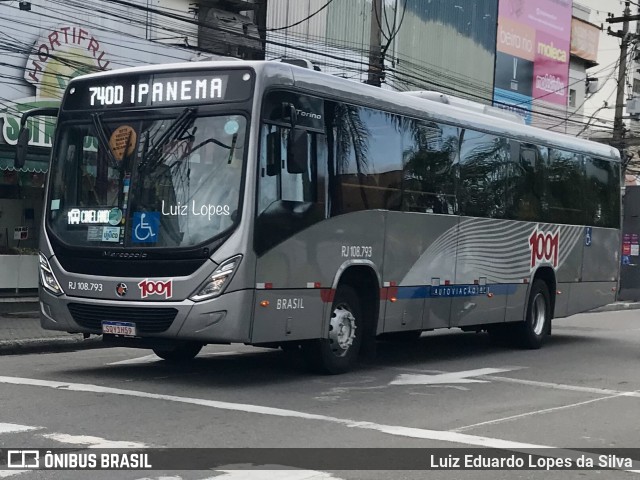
<point x="174" y="132"/>
<point x="102" y="138"/>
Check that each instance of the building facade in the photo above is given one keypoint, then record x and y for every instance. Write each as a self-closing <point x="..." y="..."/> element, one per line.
<point x="44" y="44"/>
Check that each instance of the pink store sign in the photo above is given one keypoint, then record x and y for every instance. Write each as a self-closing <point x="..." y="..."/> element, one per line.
<point x="551" y="21"/>
<point x="551" y="69"/>
<point x="549" y="16"/>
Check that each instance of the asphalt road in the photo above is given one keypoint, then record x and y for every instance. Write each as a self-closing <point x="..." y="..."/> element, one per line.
<point x="447" y="390"/>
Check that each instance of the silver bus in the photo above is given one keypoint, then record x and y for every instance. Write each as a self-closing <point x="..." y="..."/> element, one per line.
<point x="273" y="205"/>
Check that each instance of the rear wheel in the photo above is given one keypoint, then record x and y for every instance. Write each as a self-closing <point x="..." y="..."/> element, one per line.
<point x="536" y="326"/>
<point x="338" y="353"/>
<point x="180" y="353"/>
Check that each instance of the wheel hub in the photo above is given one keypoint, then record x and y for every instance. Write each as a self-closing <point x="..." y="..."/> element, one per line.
<point x="342" y="330"/>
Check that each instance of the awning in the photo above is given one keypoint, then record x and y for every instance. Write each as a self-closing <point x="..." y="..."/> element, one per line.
<point x="35" y="163"/>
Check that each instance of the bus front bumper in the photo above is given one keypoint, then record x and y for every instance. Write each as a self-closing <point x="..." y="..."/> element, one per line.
<point x="225" y="319"/>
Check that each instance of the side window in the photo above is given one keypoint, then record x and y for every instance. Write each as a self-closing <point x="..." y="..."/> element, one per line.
<point x="483" y="174"/>
<point x="429" y="152"/>
<point x="602" y="202"/>
<point x="367" y="150"/>
<point x="525" y="195"/>
<point x="565" y="187"/>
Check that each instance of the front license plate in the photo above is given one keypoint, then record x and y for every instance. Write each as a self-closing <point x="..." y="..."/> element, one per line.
<point x="119" y="328"/>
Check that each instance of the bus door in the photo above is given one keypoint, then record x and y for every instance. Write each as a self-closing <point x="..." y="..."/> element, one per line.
<point x="291" y="202"/>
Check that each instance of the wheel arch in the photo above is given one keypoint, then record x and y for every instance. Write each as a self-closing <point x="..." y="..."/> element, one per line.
<point x="364" y="278"/>
<point x="548" y="276"/>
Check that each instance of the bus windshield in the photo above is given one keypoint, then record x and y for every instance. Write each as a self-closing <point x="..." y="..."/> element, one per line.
<point x="131" y="181"/>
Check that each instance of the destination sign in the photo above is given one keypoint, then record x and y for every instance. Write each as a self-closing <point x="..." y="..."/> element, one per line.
<point x="159" y="90"/>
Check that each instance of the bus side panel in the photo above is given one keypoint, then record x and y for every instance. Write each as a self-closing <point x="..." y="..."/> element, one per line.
<point x="600" y="255"/>
<point x="419" y="248"/>
<point x="290" y="314"/>
<point x="481" y="251"/>
<point x="516" y="302"/>
<point x="305" y="266"/>
<point x="585" y="296"/>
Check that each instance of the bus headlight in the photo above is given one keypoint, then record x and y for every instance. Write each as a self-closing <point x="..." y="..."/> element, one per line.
<point x="47" y="277"/>
<point x="218" y="280"/>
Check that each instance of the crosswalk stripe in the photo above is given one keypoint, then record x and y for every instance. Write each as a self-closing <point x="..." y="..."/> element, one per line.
<point x="92" y="442"/>
<point x="14" y="428"/>
<point x="279" y="474"/>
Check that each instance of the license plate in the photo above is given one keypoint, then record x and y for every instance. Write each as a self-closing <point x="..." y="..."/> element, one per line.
<point x="119" y="328"/>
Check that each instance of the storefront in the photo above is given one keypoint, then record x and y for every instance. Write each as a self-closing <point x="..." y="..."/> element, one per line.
<point x="51" y="53"/>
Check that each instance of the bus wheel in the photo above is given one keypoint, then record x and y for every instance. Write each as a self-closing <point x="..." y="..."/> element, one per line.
<point x="533" y="331"/>
<point x="338" y="353"/>
<point x="179" y="353"/>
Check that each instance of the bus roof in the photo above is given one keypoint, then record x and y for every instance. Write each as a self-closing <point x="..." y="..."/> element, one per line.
<point x="350" y="91"/>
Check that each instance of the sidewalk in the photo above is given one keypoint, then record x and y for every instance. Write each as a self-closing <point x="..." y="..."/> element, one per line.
<point x="616" y="307"/>
<point x="20" y="331"/>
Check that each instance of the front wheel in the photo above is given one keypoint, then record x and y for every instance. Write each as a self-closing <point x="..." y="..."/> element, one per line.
<point x="338" y="353"/>
<point x="536" y="326"/>
<point x="179" y="353"/>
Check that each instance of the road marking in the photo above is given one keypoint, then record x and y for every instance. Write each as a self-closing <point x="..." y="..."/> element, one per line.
<point x="535" y="412"/>
<point x="154" y="358"/>
<point x="92" y="442"/>
<point x="14" y="428"/>
<point x="551" y="385"/>
<point x="451" y="377"/>
<point x="561" y="386"/>
<point x="146" y="359"/>
<point x="10" y="473"/>
<point x="279" y="474"/>
<point x="261" y="474"/>
<point x="410" y="432"/>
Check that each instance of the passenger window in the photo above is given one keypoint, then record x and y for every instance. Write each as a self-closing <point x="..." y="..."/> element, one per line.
<point x="565" y="187"/>
<point x="525" y="193"/>
<point x="483" y="174"/>
<point x="429" y="153"/>
<point x="602" y="203"/>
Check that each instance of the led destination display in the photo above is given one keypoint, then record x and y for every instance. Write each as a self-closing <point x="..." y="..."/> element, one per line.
<point x="159" y="90"/>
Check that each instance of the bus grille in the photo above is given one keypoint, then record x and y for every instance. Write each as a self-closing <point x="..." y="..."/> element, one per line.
<point x="147" y="320"/>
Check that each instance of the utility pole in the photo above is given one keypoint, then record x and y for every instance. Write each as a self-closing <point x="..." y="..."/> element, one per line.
<point x="376" y="66"/>
<point x="618" y="125"/>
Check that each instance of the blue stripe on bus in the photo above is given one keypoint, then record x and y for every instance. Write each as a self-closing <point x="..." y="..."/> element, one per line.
<point x="448" y="291"/>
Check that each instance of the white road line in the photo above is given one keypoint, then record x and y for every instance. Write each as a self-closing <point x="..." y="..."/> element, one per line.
<point x="154" y="358"/>
<point x="92" y="442"/>
<point x="410" y="432"/>
<point x="11" y="473"/>
<point x="535" y="412"/>
<point x="146" y="359"/>
<point x="261" y="475"/>
<point x="13" y="428"/>
<point x="279" y="474"/>
<point x="562" y="386"/>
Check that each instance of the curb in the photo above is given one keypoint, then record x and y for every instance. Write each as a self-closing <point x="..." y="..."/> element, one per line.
<point x="48" y="345"/>
<point x="616" y="307"/>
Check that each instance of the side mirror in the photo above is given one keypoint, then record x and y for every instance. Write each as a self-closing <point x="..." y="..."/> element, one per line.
<point x="24" y="135"/>
<point x="21" y="148"/>
<point x="298" y="152"/>
<point x="274" y="153"/>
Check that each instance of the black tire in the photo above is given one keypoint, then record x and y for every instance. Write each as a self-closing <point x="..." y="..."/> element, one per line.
<point x="182" y="352"/>
<point x="533" y="332"/>
<point x="327" y="355"/>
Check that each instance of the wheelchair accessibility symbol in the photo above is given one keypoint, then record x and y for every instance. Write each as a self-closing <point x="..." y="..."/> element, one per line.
<point x="145" y="227"/>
